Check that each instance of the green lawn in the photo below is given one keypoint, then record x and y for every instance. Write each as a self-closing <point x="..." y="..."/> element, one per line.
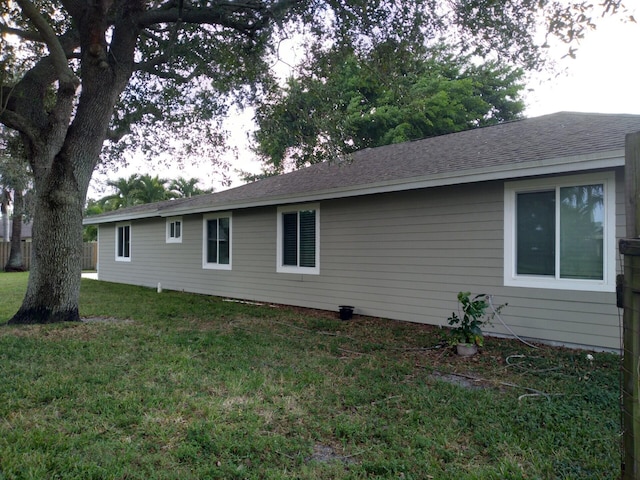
<point x="180" y="386"/>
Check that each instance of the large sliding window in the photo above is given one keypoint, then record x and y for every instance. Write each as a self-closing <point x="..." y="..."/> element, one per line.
<point x="123" y="242"/>
<point x="560" y="233"/>
<point x="298" y="241"/>
<point x="216" y="241"/>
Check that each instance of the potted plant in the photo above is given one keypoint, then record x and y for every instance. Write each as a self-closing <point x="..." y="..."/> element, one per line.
<point x="466" y="324"/>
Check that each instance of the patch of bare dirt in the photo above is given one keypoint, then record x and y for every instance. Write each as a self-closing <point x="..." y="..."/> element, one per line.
<point x="326" y="454"/>
<point x="464" y="381"/>
<point x="65" y="330"/>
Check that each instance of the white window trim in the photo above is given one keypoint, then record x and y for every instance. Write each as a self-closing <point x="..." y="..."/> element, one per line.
<point x="119" y="258"/>
<point x="280" y="268"/>
<point x="211" y="265"/>
<point x="511" y="279"/>
<point x="174" y="239"/>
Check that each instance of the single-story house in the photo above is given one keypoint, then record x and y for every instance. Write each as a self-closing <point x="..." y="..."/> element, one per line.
<point x="528" y="211"/>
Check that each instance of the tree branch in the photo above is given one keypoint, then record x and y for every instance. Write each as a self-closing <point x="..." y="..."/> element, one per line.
<point x="57" y="52"/>
<point x="24" y="34"/>
<point x="116" y="135"/>
<point x="150" y="68"/>
<point x="150" y="65"/>
<point x="19" y="123"/>
<point x="147" y="33"/>
<point x="173" y="75"/>
<point x="211" y="16"/>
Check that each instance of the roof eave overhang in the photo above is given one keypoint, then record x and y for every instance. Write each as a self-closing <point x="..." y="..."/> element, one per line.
<point x="124" y="217"/>
<point x="564" y="165"/>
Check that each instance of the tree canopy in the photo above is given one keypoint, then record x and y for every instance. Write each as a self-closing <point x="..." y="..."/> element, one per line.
<point x="342" y="101"/>
<point x="81" y="80"/>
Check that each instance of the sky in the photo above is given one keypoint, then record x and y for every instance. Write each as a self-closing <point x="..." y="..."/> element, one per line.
<point x="603" y="78"/>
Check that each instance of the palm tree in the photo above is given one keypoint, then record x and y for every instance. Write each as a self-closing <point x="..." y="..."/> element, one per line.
<point x="152" y="189"/>
<point x="183" y="188"/>
<point x="126" y="193"/>
<point x="5" y="201"/>
<point x="15" y="185"/>
<point x="15" y="262"/>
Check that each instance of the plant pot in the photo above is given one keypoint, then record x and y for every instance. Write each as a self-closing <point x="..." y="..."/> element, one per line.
<point x="346" y="312"/>
<point x="466" y="349"/>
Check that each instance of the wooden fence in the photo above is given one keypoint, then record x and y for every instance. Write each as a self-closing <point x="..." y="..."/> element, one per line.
<point x="89" y="255"/>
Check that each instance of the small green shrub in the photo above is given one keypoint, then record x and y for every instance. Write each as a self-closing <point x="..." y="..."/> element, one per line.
<point x="473" y="316"/>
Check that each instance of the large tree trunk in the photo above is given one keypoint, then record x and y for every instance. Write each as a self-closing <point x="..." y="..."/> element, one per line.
<point x="15" y="263"/>
<point x="53" y="290"/>
<point x="63" y="147"/>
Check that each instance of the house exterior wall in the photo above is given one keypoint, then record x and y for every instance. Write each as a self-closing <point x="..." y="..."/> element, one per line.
<point x="401" y="255"/>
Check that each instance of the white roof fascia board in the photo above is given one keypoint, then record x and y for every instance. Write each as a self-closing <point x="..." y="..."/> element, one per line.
<point x="119" y="218"/>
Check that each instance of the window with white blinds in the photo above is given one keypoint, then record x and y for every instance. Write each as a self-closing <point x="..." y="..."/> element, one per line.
<point x="298" y="239"/>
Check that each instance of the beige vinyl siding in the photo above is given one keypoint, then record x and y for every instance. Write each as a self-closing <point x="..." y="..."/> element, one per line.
<point x="401" y="255"/>
<point x="569" y="316"/>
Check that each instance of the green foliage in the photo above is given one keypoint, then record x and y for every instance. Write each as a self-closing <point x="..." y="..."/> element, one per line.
<point x="467" y="327"/>
<point x="192" y="62"/>
<point x="152" y="189"/>
<point x="126" y="193"/>
<point x="141" y="189"/>
<point x="343" y="101"/>
<point x="90" y="232"/>
<point x="175" y="385"/>
<point x="184" y="188"/>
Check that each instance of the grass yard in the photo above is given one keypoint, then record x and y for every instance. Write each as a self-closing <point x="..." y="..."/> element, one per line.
<point x="181" y="386"/>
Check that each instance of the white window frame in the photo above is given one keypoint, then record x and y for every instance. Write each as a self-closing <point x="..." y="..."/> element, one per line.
<point x="280" y="267"/>
<point x="216" y="265"/>
<point x="123" y="258"/>
<point x="173" y="221"/>
<point x="511" y="189"/>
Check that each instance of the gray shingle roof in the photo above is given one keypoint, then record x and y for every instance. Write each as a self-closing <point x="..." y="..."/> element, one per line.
<point x="560" y="137"/>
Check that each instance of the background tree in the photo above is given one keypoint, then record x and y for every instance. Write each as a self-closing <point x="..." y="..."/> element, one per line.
<point x="15" y="184"/>
<point x="138" y="73"/>
<point x="125" y="195"/>
<point x="15" y="262"/>
<point x="5" y="203"/>
<point x="152" y="189"/>
<point x="185" y="188"/>
<point x="90" y="232"/>
<point x="342" y="101"/>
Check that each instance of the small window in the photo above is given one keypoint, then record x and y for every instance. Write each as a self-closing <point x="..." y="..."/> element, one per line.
<point x="174" y="230"/>
<point x="560" y="233"/>
<point x="123" y="242"/>
<point x="216" y="241"/>
<point x="298" y="241"/>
